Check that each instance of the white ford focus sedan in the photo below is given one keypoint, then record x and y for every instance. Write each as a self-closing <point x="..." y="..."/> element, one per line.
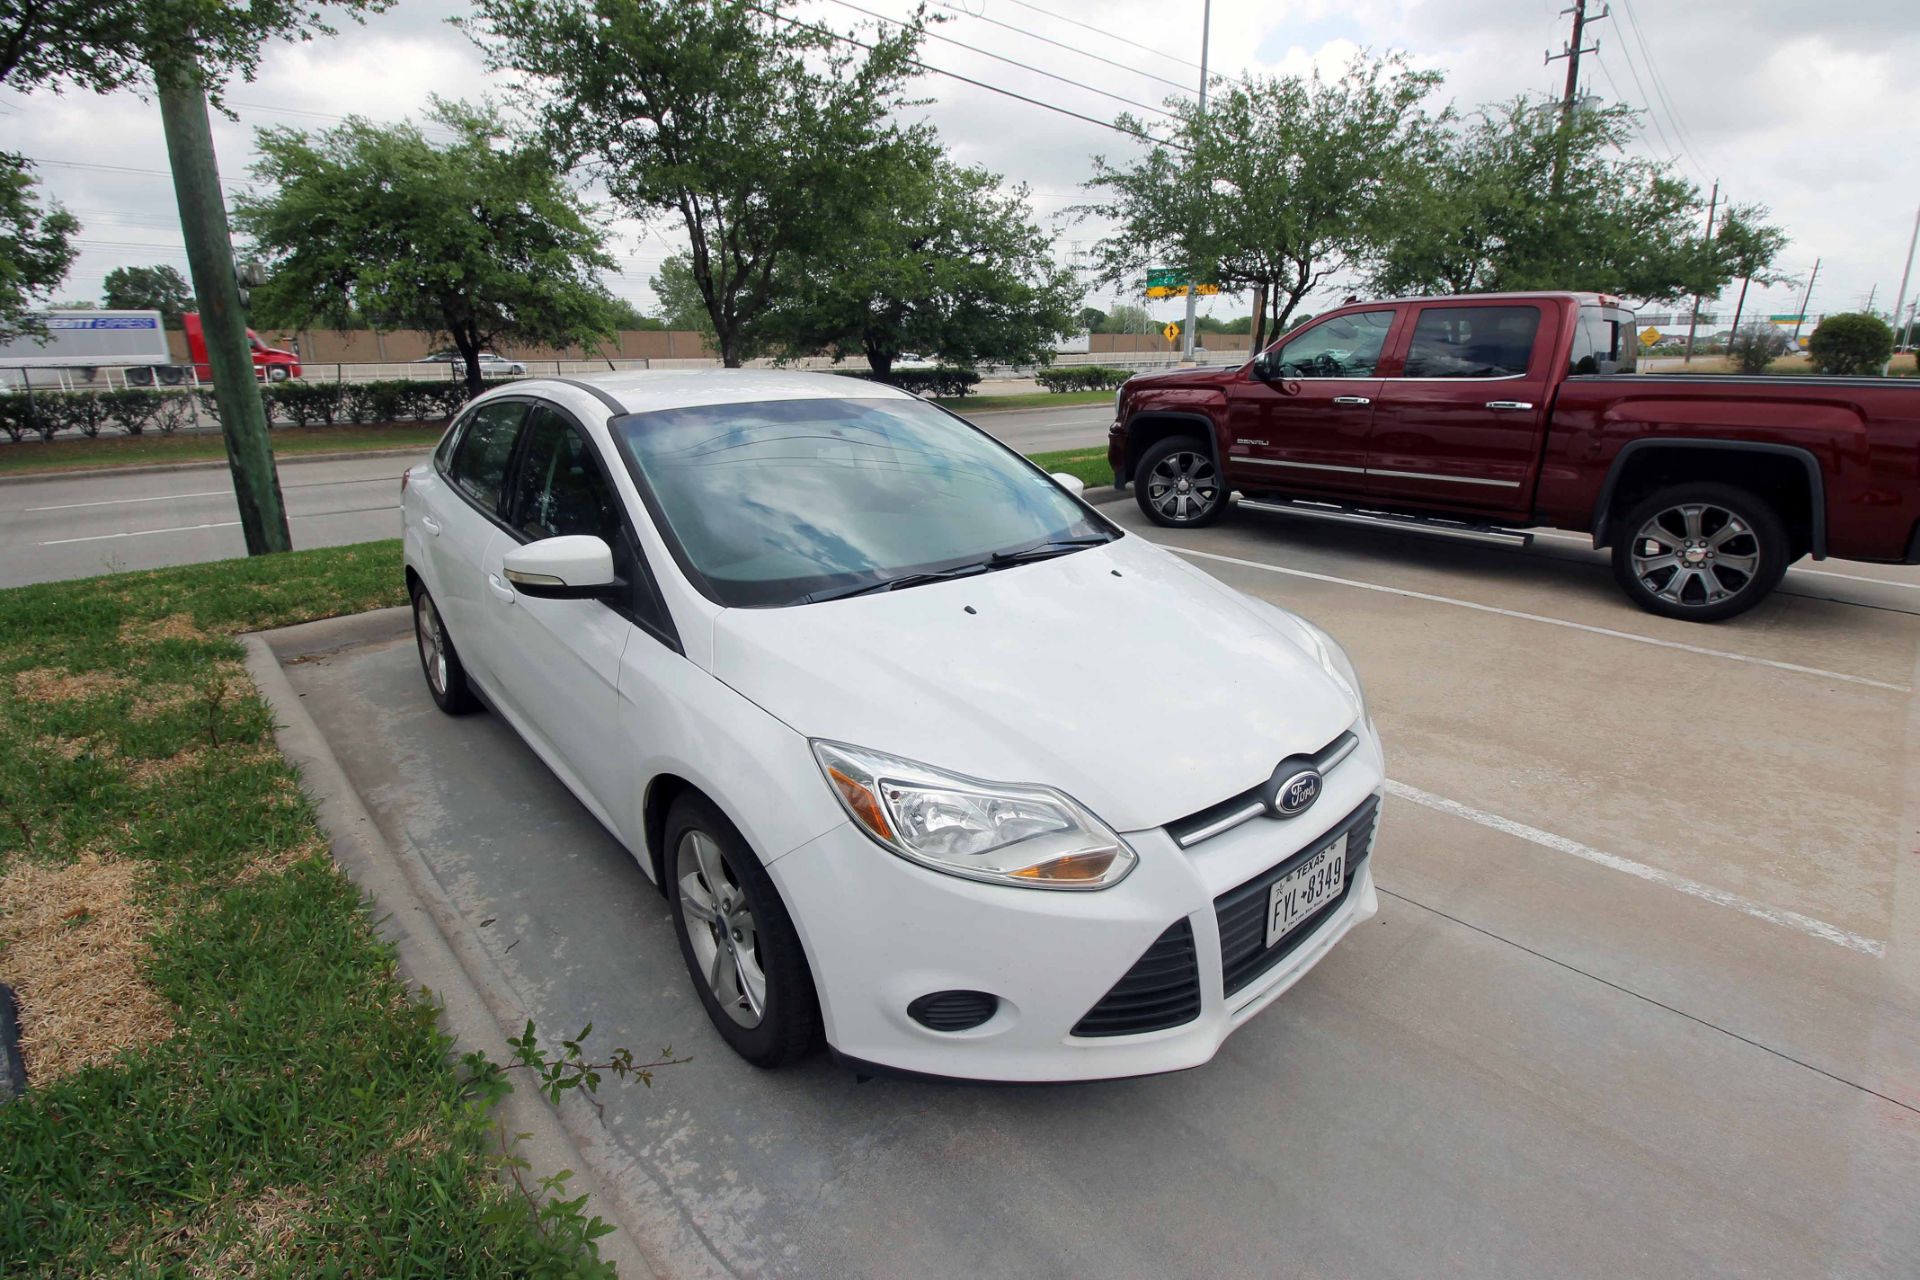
<point x="928" y="757"/>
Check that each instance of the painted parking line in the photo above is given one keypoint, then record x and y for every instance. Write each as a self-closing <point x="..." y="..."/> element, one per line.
<point x="195" y="528"/>
<point x="1587" y="542"/>
<point x="1475" y="605"/>
<point x="1693" y="888"/>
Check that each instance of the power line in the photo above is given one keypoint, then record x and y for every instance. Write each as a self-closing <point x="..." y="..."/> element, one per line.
<point x="121" y="168"/>
<point x="978" y="84"/>
<point x="935" y="35"/>
<point x="1061" y="44"/>
<point x="1665" y="146"/>
<point x="1684" y="134"/>
<point x="1102" y="31"/>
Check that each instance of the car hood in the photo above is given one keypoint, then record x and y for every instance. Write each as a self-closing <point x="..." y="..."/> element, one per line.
<point x="1120" y="675"/>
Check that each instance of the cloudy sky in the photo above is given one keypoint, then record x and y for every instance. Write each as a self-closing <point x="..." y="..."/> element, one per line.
<point x="1806" y="108"/>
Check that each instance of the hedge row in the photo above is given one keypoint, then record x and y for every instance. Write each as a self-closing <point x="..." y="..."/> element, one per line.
<point x="137" y="410"/>
<point x="942" y="380"/>
<point x="1083" y="377"/>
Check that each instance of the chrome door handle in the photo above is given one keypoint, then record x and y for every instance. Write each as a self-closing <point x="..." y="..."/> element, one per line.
<point x="1509" y="406"/>
<point x="1351" y="400"/>
<point x="431" y="525"/>
<point x="501" y="591"/>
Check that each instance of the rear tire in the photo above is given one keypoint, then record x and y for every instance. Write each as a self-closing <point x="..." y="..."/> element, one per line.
<point x="439" y="663"/>
<point x="741" y="949"/>
<point x="1178" y="486"/>
<point x="1700" y="552"/>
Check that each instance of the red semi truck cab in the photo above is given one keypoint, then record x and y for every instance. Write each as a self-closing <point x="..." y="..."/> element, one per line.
<point x="270" y="364"/>
<point x="1481" y="416"/>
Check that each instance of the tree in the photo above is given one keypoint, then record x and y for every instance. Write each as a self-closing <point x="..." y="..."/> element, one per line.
<point x="36" y="248"/>
<point x="1487" y="213"/>
<point x="1747" y="247"/>
<point x="682" y="305"/>
<point x="475" y="241"/>
<point x="624" y="315"/>
<point x="942" y="259"/>
<point x="1851" y="342"/>
<point x="1756" y="346"/>
<point x="158" y="288"/>
<point x="1281" y="183"/>
<point x="764" y="135"/>
<point x="1091" y="318"/>
<point x="1127" y="318"/>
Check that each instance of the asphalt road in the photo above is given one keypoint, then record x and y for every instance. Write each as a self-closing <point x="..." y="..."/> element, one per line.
<point x="1643" y="999"/>
<point x="106" y="523"/>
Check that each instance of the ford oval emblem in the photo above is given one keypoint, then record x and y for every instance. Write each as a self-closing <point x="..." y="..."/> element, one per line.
<point x="1295" y="793"/>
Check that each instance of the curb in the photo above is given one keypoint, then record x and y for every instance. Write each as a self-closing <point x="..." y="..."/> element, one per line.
<point x="424" y="927"/>
<point x="157" y="468"/>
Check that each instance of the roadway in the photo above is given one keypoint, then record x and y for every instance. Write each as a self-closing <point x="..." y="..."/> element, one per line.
<point x="105" y="523"/>
<point x="1643" y="998"/>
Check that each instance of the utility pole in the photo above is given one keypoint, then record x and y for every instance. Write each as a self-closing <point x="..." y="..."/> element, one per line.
<point x="1693" y="321"/>
<point x="1871" y="294"/>
<point x="1571" y="51"/>
<point x="203" y="222"/>
<point x="1206" y="22"/>
<point x="1805" y="301"/>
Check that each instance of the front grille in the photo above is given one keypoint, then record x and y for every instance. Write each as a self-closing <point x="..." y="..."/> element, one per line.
<point x="1161" y="990"/>
<point x="1242" y="911"/>
<point x="1251" y="803"/>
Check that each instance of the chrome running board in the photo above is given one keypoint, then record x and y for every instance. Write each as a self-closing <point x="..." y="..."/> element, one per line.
<point x="1433" y="526"/>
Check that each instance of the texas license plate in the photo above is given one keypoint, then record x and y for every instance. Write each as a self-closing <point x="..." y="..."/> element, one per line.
<point x="1305" y="889"/>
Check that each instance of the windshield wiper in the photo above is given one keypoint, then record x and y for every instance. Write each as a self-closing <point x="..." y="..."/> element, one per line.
<point x="900" y="583"/>
<point x="1044" y="550"/>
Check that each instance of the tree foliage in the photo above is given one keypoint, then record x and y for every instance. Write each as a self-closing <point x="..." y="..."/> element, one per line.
<point x="1519" y="198"/>
<point x="1127" y="318"/>
<point x="474" y="241"/>
<point x="157" y="288"/>
<point x="36" y="248"/>
<point x="682" y="305"/>
<point x="1747" y="247"/>
<point x="941" y="259"/>
<point x="1852" y="342"/>
<point x="1283" y="182"/>
<point x="765" y="136"/>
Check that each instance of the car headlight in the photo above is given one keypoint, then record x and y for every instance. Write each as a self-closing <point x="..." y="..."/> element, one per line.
<point x="1002" y="833"/>
<point x="1338" y="665"/>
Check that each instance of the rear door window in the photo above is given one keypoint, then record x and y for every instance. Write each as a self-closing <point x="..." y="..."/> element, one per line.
<point x="479" y="467"/>
<point x="1472" y="342"/>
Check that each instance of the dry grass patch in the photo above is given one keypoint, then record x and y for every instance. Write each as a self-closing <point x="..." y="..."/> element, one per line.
<point x="284" y="860"/>
<point x="73" y="748"/>
<point x="175" y="626"/>
<point x="45" y="685"/>
<point x="72" y="943"/>
<point x="147" y="772"/>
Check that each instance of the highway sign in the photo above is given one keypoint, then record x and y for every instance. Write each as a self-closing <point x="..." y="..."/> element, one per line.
<point x="1180" y="290"/>
<point x="1171" y="332"/>
<point x="1649" y="336"/>
<point x="1165" y="278"/>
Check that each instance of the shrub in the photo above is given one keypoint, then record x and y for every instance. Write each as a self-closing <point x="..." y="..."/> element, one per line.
<point x="1084" y="377"/>
<point x="303" y="403"/>
<point x="133" y="408"/>
<point x="19" y="415"/>
<point x="1756" y="346"/>
<point x="942" y="380"/>
<point x="1851" y="343"/>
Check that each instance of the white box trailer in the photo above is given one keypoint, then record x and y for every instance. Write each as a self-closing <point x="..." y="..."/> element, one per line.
<point x="78" y="345"/>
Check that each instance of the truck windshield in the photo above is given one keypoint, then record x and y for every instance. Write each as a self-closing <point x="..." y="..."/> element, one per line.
<point x="779" y="501"/>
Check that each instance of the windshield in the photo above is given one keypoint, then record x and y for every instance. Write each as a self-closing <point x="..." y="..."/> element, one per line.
<point x="779" y="501"/>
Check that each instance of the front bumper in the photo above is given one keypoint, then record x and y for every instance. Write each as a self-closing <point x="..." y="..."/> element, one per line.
<point x="881" y="932"/>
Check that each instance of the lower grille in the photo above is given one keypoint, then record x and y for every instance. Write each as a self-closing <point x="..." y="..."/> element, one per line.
<point x="1242" y="911"/>
<point x="953" y="1010"/>
<point x="1161" y="990"/>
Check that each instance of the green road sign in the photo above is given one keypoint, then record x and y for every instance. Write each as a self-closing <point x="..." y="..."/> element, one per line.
<point x="1165" y="278"/>
<point x="1786" y="319"/>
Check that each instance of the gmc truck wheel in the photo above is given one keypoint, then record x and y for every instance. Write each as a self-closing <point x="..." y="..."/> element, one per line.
<point x="1700" y="552"/>
<point x="1178" y="486"/>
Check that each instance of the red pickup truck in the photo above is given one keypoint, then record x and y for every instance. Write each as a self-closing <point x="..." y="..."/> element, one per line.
<point x="1481" y="416"/>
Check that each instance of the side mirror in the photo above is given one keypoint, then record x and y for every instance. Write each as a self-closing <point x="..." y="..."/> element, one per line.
<point x="574" y="567"/>
<point x="1072" y="484"/>
<point x="1265" y="365"/>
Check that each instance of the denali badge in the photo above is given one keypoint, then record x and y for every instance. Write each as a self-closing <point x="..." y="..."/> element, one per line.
<point x="1293" y="793"/>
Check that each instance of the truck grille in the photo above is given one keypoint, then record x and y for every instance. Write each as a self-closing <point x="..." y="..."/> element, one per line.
<point x="1242" y="911"/>
<point x="1161" y="990"/>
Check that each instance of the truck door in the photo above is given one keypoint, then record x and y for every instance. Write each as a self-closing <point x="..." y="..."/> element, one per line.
<point x="1300" y="425"/>
<point x="1457" y="423"/>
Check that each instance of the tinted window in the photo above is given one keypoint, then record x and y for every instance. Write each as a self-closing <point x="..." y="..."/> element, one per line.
<point x="1472" y="342"/>
<point x="774" y="501"/>
<point x="559" y="489"/>
<point x="1343" y="347"/>
<point x="480" y="459"/>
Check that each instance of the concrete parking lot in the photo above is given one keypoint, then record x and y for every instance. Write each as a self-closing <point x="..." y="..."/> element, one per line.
<point x="1643" y="999"/>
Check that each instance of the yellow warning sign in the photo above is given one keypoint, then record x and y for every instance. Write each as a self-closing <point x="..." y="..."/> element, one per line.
<point x="1649" y="336"/>
<point x="1171" y="332"/>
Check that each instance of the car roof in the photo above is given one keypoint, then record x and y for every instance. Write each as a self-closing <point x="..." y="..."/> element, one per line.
<point x="651" y="390"/>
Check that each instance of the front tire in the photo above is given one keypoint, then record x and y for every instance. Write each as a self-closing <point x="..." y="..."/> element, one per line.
<point x="1178" y="486"/>
<point x="740" y="946"/>
<point x="446" y="678"/>
<point x="1700" y="552"/>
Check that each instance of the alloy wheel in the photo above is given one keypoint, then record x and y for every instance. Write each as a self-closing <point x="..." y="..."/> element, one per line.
<point x="1183" y="486"/>
<point x="1696" y="554"/>
<point x="432" y="639"/>
<point x="721" y="927"/>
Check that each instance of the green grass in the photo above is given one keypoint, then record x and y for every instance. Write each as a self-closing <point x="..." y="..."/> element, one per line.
<point x="297" y="1114"/>
<point x="974" y="404"/>
<point x="145" y="450"/>
<point x="1088" y="464"/>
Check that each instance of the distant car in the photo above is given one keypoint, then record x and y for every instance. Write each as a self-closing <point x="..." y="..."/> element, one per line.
<point x="910" y="360"/>
<point x="489" y="362"/>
